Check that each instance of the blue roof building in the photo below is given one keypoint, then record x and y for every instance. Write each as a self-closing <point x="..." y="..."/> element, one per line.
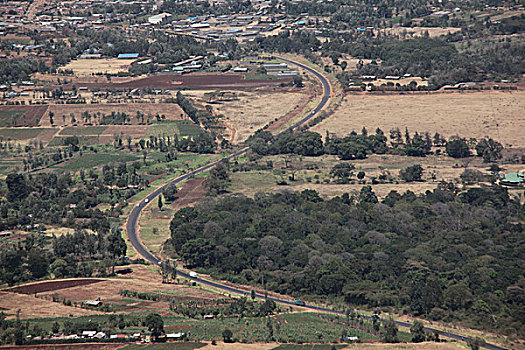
<point x="128" y="55"/>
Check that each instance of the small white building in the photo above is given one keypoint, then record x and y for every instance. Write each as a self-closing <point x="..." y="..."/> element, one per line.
<point x="161" y="18"/>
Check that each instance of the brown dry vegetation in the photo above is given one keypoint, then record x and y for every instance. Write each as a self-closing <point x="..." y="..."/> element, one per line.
<point x="444" y="168"/>
<point x="87" y="67"/>
<point x="172" y="111"/>
<point x="86" y="346"/>
<point x="239" y="346"/>
<point x="417" y="32"/>
<point x="142" y="279"/>
<point x="420" y="346"/>
<point x="32" y="307"/>
<point x="500" y="115"/>
<point x="252" y="110"/>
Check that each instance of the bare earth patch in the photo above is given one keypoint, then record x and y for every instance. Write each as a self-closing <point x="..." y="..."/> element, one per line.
<point x="500" y="115"/>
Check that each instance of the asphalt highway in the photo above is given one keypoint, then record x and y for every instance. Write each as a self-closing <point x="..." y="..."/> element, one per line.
<point x="132" y="234"/>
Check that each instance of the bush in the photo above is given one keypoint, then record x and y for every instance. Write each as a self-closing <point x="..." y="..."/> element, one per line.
<point x="411" y="173"/>
<point x="458" y="148"/>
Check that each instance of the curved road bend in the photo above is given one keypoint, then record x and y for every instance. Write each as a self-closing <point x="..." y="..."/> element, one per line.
<point x="131" y="225"/>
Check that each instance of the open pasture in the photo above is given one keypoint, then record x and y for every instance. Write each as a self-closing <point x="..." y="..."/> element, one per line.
<point x="87" y="67"/>
<point x="500" y="115"/>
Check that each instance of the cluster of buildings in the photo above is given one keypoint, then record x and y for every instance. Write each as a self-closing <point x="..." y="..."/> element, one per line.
<point x="220" y="28"/>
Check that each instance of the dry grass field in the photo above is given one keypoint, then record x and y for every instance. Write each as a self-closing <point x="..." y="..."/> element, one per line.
<point x="172" y="111"/>
<point x="32" y="307"/>
<point x="142" y="279"/>
<point x="417" y="32"/>
<point x="443" y="168"/>
<point x="252" y="110"/>
<point x="403" y="81"/>
<point x="420" y="346"/>
<point x="87" y="67"/>
<point x="500" y="115"/>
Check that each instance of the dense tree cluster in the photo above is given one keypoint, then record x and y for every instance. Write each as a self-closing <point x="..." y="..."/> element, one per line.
<point x="80" y="254"/>
<point x="204" y="142"/>
<point x="441" y="254"/>
<point x="353" y="146"/>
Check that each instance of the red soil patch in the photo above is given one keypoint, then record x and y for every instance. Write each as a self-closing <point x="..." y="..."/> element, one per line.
<point x="177" y="327"/>
<point x="32" y="115"/>
<point x="192" y="191"/>
<point x="191" y="81"/>
<point x="53" y="285"/>
<point x="154" y="178"/>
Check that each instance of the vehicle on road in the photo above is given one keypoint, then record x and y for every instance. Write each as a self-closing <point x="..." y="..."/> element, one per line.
<point x="146" y="200"/>
<point x="299" y="302"/>
<point x="193" y="274"/>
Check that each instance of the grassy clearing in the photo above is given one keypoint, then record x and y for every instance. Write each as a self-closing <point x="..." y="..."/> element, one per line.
<point x="97" y="159"/>
<point x="189" y="130"/>
<point x="471" y="114"/>
<point x="20" y="134"/>
<point x="314" y="173"/>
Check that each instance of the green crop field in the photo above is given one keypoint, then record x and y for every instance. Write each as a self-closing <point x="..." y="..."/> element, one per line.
<point x="20" y="134"/>
<point x="8" y="118"/>
<point x="189" y="130"/>
<point x="97" y="159"/>
<point x="83" y="131"/>
<point x="84" y="140"/>
<point x="175" y="127"/>
<point x="292" y="328"/>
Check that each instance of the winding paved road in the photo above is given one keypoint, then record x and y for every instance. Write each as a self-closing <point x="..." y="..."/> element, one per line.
<point x="132" y="234"/>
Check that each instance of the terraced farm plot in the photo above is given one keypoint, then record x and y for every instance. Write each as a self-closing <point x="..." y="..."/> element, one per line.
<point x="21" y="134"/>
<point x="84" y="140"/>
<point x="171" y="111"/>
<point x="93" y="160"/>
<point x="21" y="115"/>
<point x="182" y="128"/>
<point x="189" y="130"/>
<point x="9" y="118"/>
<point x="83" y="131"/>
